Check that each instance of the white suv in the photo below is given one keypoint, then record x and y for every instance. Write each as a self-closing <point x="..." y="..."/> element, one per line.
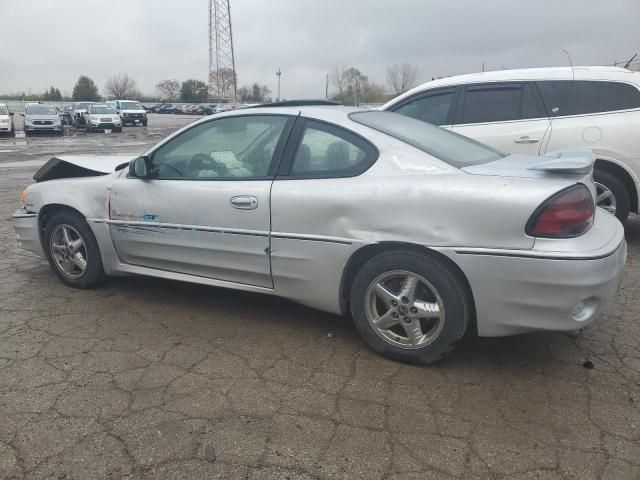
<point x="538" y="110"/>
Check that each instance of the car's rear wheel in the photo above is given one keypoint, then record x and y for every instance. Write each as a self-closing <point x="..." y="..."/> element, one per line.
<point x="612" y="195"/>
<point x="72" y="250"/>
<point x="410" y="307"/>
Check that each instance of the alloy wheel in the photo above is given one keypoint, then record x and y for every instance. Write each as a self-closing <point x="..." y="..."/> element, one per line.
<point x="605" y="198"/>
<point x="68" y="251"/>
<point x="404" y="309"/>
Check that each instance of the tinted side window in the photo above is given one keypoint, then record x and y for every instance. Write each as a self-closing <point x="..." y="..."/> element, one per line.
<point x="499" y="103"/>
<point x="432" y="107"/>
<point x="327" y="151"/>
<point x="566" y="97"/>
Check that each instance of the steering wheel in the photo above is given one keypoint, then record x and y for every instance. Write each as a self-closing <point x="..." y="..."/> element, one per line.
<point x="172" y="168"/>
<point x="202" y="161"/>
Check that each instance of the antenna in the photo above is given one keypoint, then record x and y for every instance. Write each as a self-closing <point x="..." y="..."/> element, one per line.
<point x="573" y="73"/>
<point x="626" y="65"/>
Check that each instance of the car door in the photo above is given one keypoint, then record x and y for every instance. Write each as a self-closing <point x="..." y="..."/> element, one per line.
<point x="433" y="106"/>
<point x="206" y="208"/>
<point x="508" y="116"/>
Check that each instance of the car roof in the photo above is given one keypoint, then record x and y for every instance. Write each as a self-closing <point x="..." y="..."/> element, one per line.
<point x="547" y="73"/>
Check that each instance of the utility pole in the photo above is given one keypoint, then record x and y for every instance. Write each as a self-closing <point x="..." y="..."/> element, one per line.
<point x="279" y="74"/>
<point x="326" y="88"/>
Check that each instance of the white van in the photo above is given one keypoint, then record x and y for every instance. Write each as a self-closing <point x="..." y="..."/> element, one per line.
<point x="539" y="110"/>
<point x="131" y="111"/>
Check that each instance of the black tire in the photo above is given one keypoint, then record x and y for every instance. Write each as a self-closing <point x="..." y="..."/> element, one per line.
<point x="623" y="201"/>
<point x="453" y="291"/>
<point x="94" y="272"/>
<point x="144" y="124"/>
<point x="118" y="130"/>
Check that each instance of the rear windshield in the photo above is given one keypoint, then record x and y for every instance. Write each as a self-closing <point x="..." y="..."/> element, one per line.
<point x="454" y="149"/>
<point x="4" y="110"/>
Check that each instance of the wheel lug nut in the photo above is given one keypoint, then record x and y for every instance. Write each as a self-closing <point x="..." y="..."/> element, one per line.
<point x="406" y="320"/>
<point x="394" y="303"/>
<point x="405" y="300"/>
<point x="414" y="310"/>
<point x="394" y="315"/>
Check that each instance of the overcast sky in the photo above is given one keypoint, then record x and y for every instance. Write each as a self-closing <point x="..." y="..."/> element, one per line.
<point x="52" y="42"/>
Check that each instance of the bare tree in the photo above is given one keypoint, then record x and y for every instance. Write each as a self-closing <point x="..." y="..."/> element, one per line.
<point x="121" y="86"/>
<point x="222" y="83"/>
<point x="401" y="77"/>
<point x="338" y="77"/>
<point x="168" y="90"/>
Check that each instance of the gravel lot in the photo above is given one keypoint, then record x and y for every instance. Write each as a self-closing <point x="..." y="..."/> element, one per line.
<point x="151" y="379"/>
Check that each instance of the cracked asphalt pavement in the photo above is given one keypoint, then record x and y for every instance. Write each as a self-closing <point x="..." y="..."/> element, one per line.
<point x="150" y="379"/>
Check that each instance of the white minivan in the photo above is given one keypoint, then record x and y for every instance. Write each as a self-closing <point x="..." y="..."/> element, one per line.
<point x="538" y="110"/>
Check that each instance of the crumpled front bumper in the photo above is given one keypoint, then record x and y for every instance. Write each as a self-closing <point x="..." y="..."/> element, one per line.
<point x="27" y="231"/>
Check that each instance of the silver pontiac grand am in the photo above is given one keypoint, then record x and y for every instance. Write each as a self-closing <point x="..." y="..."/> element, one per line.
<point x="422" y="234"/>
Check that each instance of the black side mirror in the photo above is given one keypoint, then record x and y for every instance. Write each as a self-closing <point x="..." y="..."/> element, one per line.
<point x="140" y="167"/>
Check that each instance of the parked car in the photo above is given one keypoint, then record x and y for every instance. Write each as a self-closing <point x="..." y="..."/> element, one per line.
<point x="158" y="107"/>
<point x="67" y="115"/>
<point x="79" y="111"/>
<point x="202" y="110"/>
<point x="421" y="233"/>
<point x="6" y="121"/>
<point x="533" y="111"/>
<point x="131" y="112"/>
<point x="40" y="117"/>
<point x="168" y="108"/>
<point x="102" y="117"/>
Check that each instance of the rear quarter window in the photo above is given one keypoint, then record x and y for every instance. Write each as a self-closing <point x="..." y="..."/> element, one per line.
<point x="579" y="97"/>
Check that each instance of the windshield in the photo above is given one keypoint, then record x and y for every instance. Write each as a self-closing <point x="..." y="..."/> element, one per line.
<point x="41" y="110"/>
<point x="449" y="147"/>
<point x="82" y="105"/>
<point x="101" y="109"/>
<point x="130" y="106"/>
<point x="4" y="110"/>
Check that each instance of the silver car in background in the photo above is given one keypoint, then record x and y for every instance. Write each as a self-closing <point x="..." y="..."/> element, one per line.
<point x="422" y="234"/>
<point x="40" y="118"/>
<point x="102" y="117"/>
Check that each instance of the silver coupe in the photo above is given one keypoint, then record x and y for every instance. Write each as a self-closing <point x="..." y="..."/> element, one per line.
<point x="421" y="234"/>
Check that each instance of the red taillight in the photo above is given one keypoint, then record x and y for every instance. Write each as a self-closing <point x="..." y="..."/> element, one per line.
<point x="568" y="213"/>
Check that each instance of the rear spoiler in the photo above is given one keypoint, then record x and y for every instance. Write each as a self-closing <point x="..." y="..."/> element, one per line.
<point x="577" y="160"/>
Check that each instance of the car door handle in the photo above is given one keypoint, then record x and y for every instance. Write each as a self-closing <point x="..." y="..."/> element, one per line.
<point x="244" y="202"/>
<point x="526" y="139"/>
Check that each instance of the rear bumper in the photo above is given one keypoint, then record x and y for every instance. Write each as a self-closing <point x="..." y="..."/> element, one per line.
<point x="518" y="292"/>
<point x="27" y="232"/>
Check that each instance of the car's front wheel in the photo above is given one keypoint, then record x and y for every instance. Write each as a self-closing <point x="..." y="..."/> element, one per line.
<point x="410" y="306"/>
<point x="72" y="250"/>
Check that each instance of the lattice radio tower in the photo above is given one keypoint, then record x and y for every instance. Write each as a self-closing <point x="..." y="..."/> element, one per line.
<point x="222" y="68"/>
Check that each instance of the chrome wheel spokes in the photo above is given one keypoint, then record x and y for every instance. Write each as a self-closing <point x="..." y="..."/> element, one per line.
<point x="404" y="309"/>
<point x="605" y="198"/>
<point x="68" y="251"/>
